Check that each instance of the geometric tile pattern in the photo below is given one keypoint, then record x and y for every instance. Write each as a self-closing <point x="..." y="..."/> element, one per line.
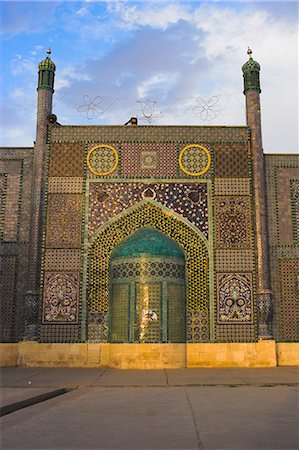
<point x="284" y="203"/>
<point x="98" y="328"/>
<point x="16" y="168"/>
<point x="66" y="185"/>
<point x="148" y="160"/>
<point x="176" y="313"/>
<point x="11" y="166"/>
<point x="62" y="260"/>
<point x="12" y="190"/>
<point x="7" y="296"/>
<point x="234" y="332"/>
<point x="189" y="200"/>
<point x="61" y="295"/>
<point x="234" y="298"/>
<point x="295" y="208"/>
<point x="198" y="325"/>
<point x="234" y="261"/>
<point x="147" y="269"/>
<point x="282" y="177"/>
<point x="66" y="160"/>
<point x="64" y="221"/>
<point x="59" y="333"/>
<point x="232" y="222"/>
<point x="3" y="186"/>
<point x="289" y="306"/>
<point x="232" y="186"/>
<point x="231" y="160"/>
<point x="102" y="160"/>
<point x="151" y="215"/>
<point x="151" y="134"/>
<point x="194" y="160"/>
<point x="119" y="313"/>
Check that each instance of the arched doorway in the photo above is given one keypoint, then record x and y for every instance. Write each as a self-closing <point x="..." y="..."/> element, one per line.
<point x="148" y="213"/>
<point x="147" y="289"/>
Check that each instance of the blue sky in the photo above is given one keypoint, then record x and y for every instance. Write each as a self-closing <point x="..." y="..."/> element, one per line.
<point x="168" y="62"/>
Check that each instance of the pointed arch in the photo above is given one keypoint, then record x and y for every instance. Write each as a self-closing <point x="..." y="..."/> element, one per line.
<point x="149" y="213"/>
<point x="138" y="205"/>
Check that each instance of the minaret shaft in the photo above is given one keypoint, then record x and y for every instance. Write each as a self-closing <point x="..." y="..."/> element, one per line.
<point x="44" y="108"/>
<point x="259" y="185"/>
<point x="253" y="113"/>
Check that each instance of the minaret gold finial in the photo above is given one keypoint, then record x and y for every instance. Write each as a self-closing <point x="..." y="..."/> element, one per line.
<point x="249" y="53"/>
<point x="49" y="52"/>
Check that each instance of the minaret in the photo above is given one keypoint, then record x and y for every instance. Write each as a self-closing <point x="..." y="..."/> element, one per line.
<point x="45" y="89"/>
<point x="251" y="75"/>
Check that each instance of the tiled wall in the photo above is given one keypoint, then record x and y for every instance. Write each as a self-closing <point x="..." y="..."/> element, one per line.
<point x="234" y="244"/>
<point x="139" y="177"/>
<point x="62" y="255"/>
<point x="15" y="197"/>
<point x="211" y="215"/>
<point x="282" y="175"/>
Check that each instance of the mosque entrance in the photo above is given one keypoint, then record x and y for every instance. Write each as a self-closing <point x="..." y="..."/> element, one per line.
<point x="147" y="290"/>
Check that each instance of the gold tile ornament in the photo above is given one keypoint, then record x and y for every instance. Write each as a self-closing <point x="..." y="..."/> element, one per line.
<point x="194" y="160"/>
<point x="148" y="160"/>
<point x="102" y="159"/>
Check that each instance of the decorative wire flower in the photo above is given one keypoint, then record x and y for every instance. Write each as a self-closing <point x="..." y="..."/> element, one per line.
<point x="207" y="109"/>
<point x="91" y="106"/>
<point x="147" y="108"/>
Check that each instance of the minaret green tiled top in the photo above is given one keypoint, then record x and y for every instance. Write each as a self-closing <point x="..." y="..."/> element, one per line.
<point x="251" y="74"/>
<point x="46" y="73"/>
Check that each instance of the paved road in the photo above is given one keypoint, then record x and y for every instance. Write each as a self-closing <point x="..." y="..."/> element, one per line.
<point x="220" y="409"/>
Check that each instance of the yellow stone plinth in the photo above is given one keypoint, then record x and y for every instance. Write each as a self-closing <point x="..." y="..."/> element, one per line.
<point x="287" y="353"/>
<point x="150" y="356"/>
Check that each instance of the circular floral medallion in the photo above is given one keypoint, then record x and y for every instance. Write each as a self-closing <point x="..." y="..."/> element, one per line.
<point x="102" y="159"/>
<point x="194" y="160"/>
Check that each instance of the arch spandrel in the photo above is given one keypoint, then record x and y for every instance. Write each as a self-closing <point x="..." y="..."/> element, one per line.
<point x="194" y="244"/>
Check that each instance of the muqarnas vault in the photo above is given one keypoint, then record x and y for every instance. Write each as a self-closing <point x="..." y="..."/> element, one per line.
<point x="148" y="234"/>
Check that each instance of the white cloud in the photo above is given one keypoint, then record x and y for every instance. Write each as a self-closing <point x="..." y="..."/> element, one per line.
<point x="75" y="74"/>
<point x="82" y="12"/>
<point x="161" y="82"/>
<point x="61" y="82"/>
<point x="174" y="52"/>
<point x="155" y="15"/>
<point x="20" y="136"/>
<point x="17" y="93"/>
<point x="20" y="65"/>
<point x="67" y="75"/>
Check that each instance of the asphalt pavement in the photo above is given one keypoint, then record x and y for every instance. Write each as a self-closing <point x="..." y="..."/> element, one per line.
<point x="219" y="409"/>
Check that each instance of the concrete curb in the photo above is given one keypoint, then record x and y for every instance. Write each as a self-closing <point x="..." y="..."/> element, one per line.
<point x="8" y="409"/>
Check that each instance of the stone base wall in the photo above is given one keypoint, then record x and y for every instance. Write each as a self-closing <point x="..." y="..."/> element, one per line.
<point x="150" y="356"/>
